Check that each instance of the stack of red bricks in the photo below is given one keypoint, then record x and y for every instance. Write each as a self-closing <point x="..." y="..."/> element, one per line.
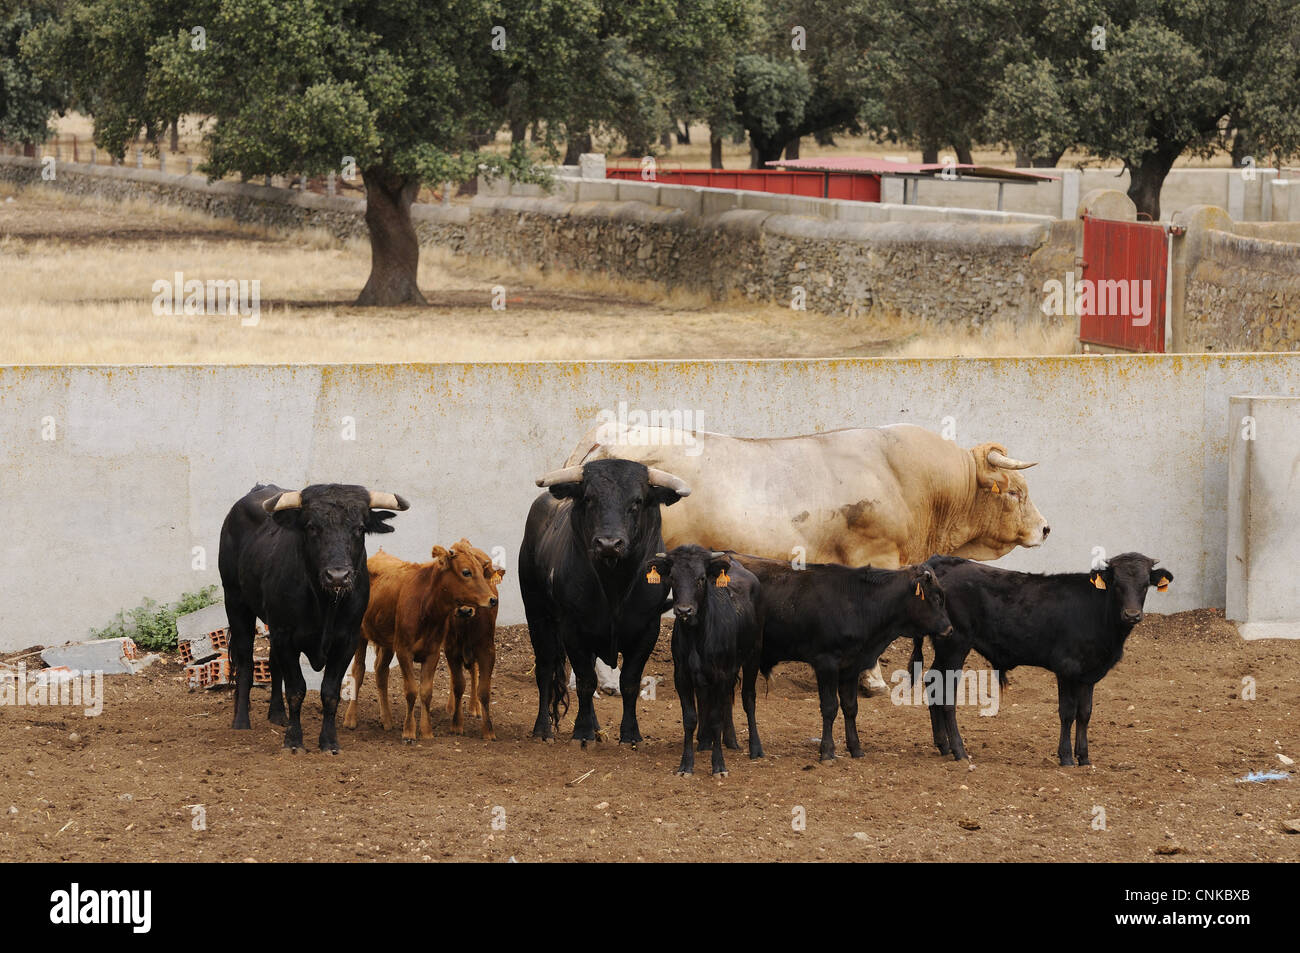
<point x="203" y="639"/>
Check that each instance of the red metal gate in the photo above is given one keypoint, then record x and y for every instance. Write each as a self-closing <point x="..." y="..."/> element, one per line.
<point x="1121" y="296"/>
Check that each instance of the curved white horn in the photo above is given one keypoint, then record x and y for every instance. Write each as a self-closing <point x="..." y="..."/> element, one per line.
<point x="288" y="500"/>
<point x="387" y="501"/>
<point x="566" y="475"/>
<point x="713" y="555"/>
<point x="669" y="482"/>
<point x="997" y="458"/>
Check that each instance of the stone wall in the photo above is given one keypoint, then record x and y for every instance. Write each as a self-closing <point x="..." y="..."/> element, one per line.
<point x="943" y="273"/>
<point x="1239" y="292"/>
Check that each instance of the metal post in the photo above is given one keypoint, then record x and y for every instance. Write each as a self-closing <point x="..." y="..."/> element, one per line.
<point x="1000" y="184"/>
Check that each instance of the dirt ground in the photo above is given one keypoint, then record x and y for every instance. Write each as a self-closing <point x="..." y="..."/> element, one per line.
<point x="1171" y="734"/>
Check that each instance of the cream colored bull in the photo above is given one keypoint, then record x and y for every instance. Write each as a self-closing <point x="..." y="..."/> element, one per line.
<point x="887" y="496"/>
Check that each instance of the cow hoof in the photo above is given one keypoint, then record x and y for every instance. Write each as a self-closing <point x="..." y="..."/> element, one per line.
<point x="279" y="718"/>
<point x="683" y="773"/>
<point x="857" y="754"/>
<point x="721" y="774"/>
<point x="293" y="749"/>
<point x="826" y="757"/>
<point x="241" y="725"/>
<point x="408" y="741"/>
<point x="329" y="750"/>
<point x="756" y="755"/>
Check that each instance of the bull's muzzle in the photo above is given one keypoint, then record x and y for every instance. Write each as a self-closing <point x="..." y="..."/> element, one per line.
<point x="465" y="612"/>
<point x="609" y="547"/>
<point x="337" y="579"/>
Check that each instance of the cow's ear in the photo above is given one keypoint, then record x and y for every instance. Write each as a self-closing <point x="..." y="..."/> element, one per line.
<point x="663" y="496"/>
<point x="376" y="521"/>
<point x="497" y="576"/>
<point x="1161" y="578"/>
<point x="719" y="571"/>
<point x="657" y="569"/>
<point x="289" y="519"/>
<point x="565" y="491"/>
<point x="987" y="476"/>
<point x="1098" y="578"/>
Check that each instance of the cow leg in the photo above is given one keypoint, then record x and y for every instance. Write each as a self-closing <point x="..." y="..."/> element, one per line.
<point x="242" y="620"/>
<point x="1082" y="715"/>
<point x="475" y="703"/>
<point x="828" y="693"/>
<point x="729" y="721"/>
<point x="1066" y="704"/>
<point x="685" y="686"/>
<point x="295" y="690"/>
<point x="358" y="676"/>
<point x="457" y="673"/>
<point x="716" y="698"/>
<point x="955" y="742"/>
<point x="748" y="696"/>
<point x="849" y="705"/>
<point x="481" y="687"/>
<point x="428" y="669"/>
<point x="629" y="684"/>
<point x="411" y="688"/>
<point x="548" y="666"/>
<point x="934" y="676"/>
<point x="584" y="673"/>
<point x="275" y="711"/>
<point x="331" y="690"/>
<point x="383" y="658"/>
<point x="916" y="663"/>
<point x="875" y="680"/>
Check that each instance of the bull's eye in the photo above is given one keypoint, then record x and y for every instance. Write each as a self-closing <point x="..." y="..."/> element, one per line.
<point x="465" y="572"/>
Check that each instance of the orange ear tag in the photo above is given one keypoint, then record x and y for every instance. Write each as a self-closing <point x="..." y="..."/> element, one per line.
<point x="1099" y="582"/>
<point x="995" y="488"/>
<point x="723" y="580"/>
<point x="652" y="576"/>
<point x="1163" y="586"/>
<point x="919" y="592"/>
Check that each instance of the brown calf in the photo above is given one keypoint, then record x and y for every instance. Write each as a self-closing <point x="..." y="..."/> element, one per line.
<point x="408" y="616"/>
<point x="471" y="644"/>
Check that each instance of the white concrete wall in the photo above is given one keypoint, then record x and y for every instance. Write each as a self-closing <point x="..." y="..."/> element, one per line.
<point x="1263" y="586"/>
<point x="147" y="460"/>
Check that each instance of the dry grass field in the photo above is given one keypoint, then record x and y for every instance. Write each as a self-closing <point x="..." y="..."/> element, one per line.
<point x="76" y="279"/>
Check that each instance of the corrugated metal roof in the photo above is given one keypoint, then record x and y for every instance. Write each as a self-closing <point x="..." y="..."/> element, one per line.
<point x="863" y="165"/>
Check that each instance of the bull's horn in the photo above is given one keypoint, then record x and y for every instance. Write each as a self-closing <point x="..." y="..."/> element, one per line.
<point x="566" y="475"/>
<point x="716" y="555"/>
<point x="669" y="482"/>
<point x="661" y="555"/>
<point x="387" y="501"/>
<point x="288" y="500"/>
<point x="997" y="458"/>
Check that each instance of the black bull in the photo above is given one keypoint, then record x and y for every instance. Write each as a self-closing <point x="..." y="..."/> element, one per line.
<point x="586" y="587"/>
<point x="297" y="560"/>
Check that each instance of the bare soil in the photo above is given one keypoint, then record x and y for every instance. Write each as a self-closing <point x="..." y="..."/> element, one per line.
<point x="1171" y="735"/>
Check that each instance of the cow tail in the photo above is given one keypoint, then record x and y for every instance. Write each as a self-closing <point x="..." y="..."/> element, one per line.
<point x="559" y="677"/>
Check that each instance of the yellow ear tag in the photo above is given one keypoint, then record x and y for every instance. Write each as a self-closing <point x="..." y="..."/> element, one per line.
<point x="1099" y="582"/>
<point x="1163" y="585"/>
<point x="919" y="592"/>
<point x="995" y="488"/>
<point x="652" y="576"/>
<point x="723" y="580"/>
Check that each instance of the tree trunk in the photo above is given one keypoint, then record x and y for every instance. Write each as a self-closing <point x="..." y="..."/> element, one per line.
<point x="176" y="135"/>
<point x="666" y="140"/>
<point x="684" y="134"/>
<point x="575" y="144"/>
<point x="715" y="150"/>
<point x="792" y="148"/>
<point x="763" y="150"/>
<point x="824" y="137"/>
<point x="963" y="155"/>
<point x="930" y="155"/>
<point x="394" y="247"/>
<point x="1148" y="177"/>
<point x="518" y="130"/>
